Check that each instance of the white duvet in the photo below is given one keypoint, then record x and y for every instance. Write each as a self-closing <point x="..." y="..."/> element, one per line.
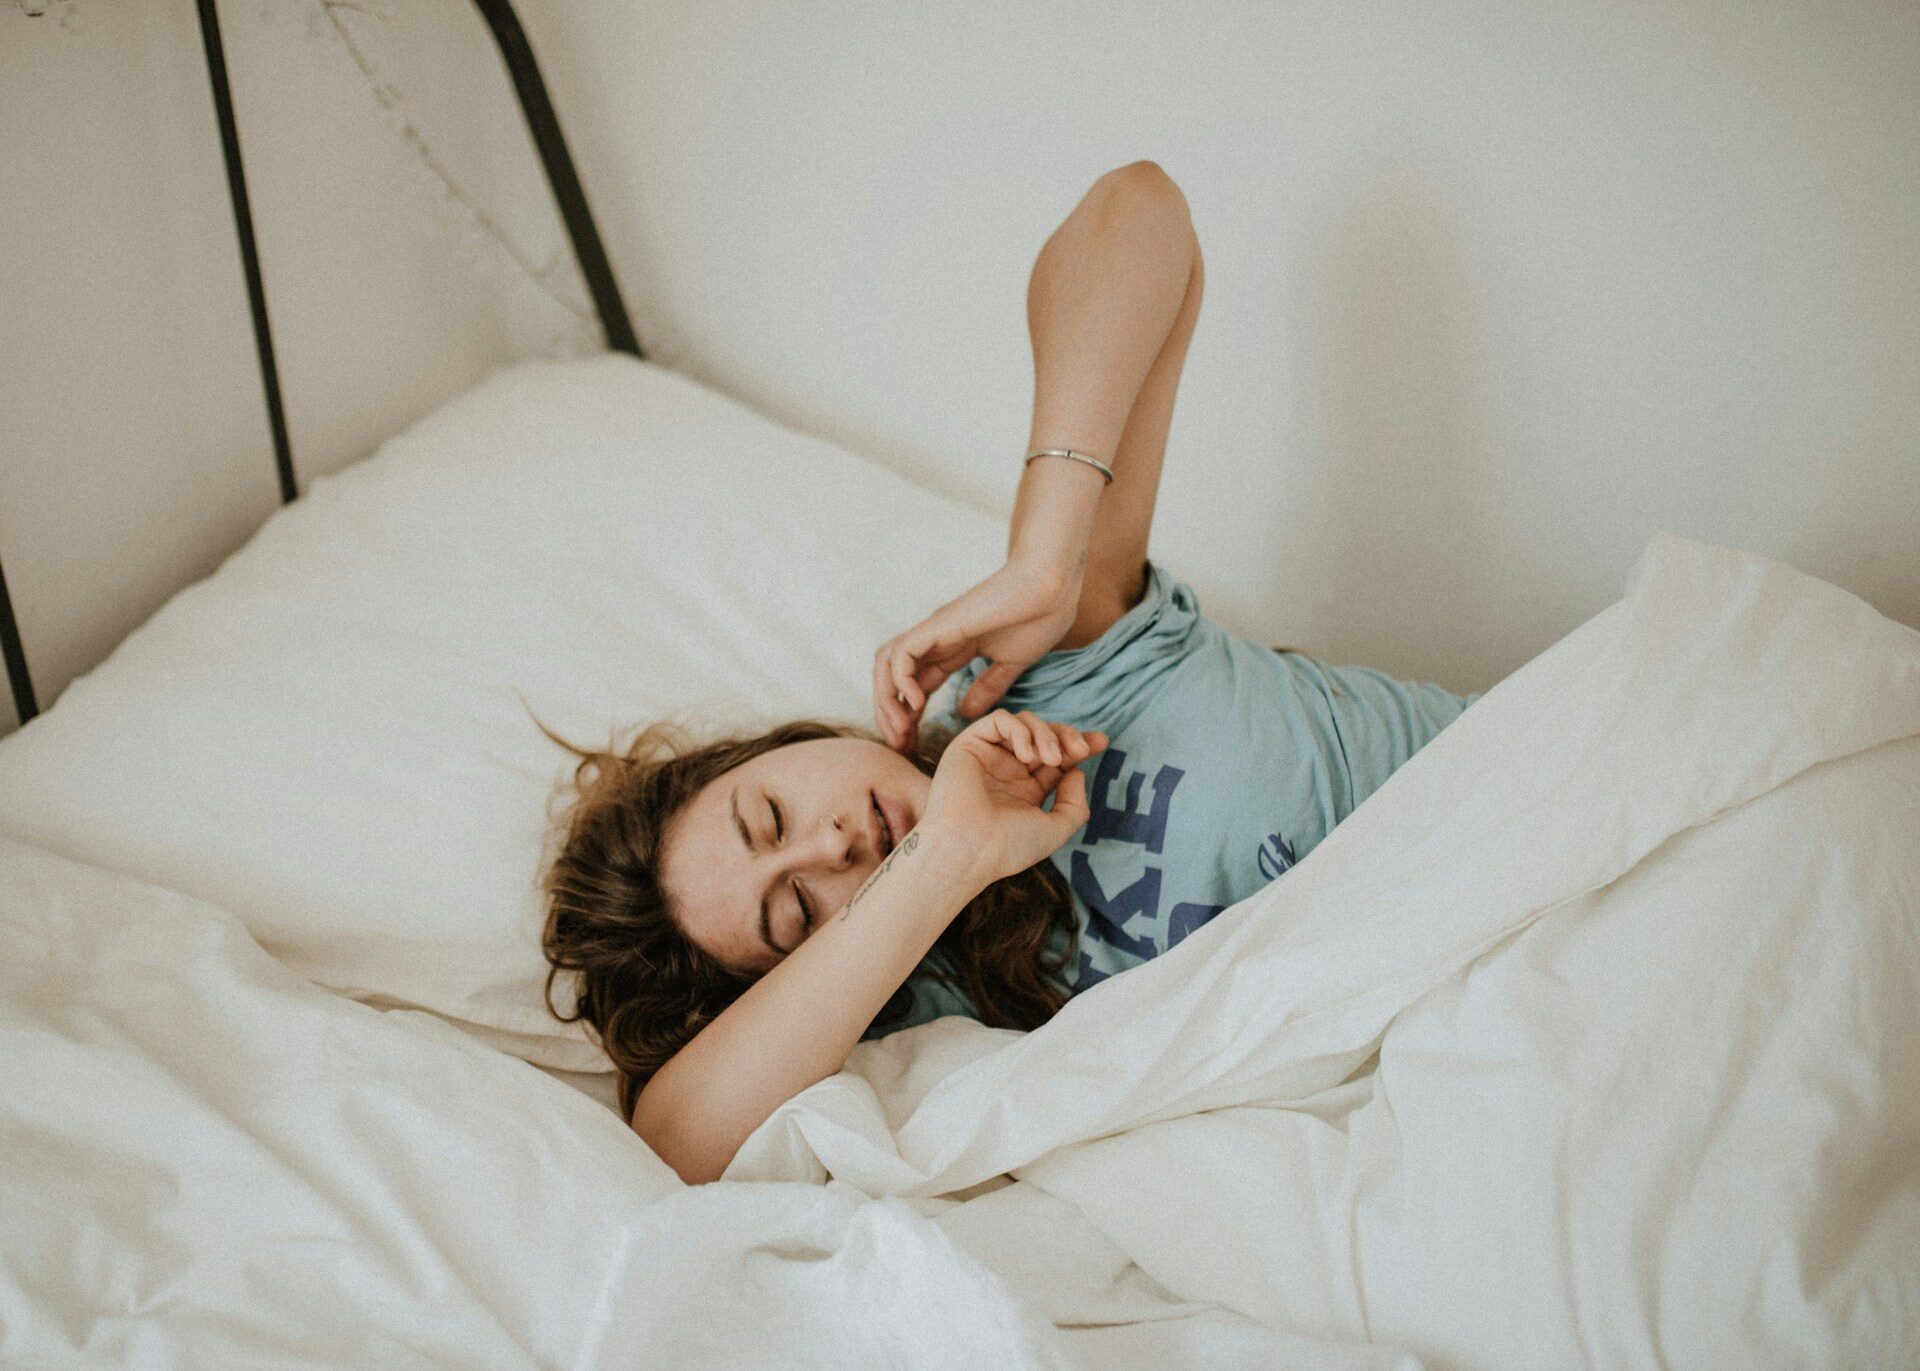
<point x="1592" y="1038"/>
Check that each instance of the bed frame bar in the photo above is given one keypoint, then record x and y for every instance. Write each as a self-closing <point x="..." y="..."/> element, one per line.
<point x="249" y="250"/>
<point x="568" y="195"/>
<point x="16" y="656"/>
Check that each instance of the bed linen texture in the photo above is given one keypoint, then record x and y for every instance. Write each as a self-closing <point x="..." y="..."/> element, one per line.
<point x="207" y="1162"/>
<point x="1592" y="1038"/>
<point x="328" y="736"/>
<point x="1588" y="1040"/>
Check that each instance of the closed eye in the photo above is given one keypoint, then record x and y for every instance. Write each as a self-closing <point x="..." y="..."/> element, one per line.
<point x="779" y="833"/>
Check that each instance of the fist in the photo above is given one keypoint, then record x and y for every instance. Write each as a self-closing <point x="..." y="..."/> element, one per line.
<point x="995" y="776"/>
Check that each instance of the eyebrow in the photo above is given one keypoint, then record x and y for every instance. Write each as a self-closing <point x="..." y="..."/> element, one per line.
<point x="766" y="922"/>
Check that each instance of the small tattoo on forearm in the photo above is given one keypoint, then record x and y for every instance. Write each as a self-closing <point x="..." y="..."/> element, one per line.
<point x="907" y="844"/>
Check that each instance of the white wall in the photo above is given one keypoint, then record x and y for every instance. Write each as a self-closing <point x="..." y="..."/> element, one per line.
<point x="134" y="452"/>
<point x="1495" y="290"/>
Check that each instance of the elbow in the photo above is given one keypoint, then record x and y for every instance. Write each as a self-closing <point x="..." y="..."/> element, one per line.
<point x="1145" y="198"/>
<point x="1147" y="182"/>
<point x="1145" y="173"/>
<point x="694" y="1159"/>
<point x="698" y="1171"/>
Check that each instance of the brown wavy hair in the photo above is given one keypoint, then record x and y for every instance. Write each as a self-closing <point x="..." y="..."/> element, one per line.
<point x="647" y="988"/>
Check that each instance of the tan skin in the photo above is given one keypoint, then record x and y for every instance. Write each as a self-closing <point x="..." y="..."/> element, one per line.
<point x="1111" y="306"/>
<point x="812" y="835"/>
<point x="1038" y="601"/>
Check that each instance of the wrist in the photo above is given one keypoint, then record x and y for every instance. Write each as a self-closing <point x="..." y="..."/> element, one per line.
<point x="1053" y="520"/>
<point x="1048" y="573"/>
<point x="1057" y="564"/>
<point x="949" y="854"/>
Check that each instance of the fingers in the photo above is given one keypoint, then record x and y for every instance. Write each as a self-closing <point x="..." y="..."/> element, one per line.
<point x="1017" y="733"/>
<point x="1060" y="745"/>
<point x="930" y="675"/>
<point x="887" y="713"/>
<point x="988" y="687"/>
<point x="901" y="686"/>
<point x="900" y="667"/>
<point x="1070" y="808"/>
<point x="1040" y="743"/>
<point x="1046" y="742"/>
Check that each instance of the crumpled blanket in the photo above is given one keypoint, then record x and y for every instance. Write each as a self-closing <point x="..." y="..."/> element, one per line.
<point x="1592" y="1037"/>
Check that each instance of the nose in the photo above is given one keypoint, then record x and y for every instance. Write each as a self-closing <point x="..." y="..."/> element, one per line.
<point x="832" y="845"/>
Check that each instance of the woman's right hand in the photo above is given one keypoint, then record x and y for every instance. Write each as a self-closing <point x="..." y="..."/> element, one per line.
<point x="991" y="781"/>
<point x="1014" y="618"/>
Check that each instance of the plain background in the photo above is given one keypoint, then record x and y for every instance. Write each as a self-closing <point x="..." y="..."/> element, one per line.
<point x="1494" y="291"/>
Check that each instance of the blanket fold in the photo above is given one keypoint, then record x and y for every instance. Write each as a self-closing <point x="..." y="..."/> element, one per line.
<point x="1717" y="677"/>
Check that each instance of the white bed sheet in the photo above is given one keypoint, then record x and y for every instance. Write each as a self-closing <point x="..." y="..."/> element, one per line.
<point x="327" y="736"/>
<point x="1588" y="1040"/>
<point x="1591" y="1038"/>
<point x="207" y="1162"/>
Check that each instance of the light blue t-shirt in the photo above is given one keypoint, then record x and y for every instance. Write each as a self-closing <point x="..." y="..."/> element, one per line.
<point x="1226" y="763"/>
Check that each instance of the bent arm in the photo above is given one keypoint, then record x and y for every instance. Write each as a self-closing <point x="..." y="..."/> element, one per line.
<point x="1111" y="308"/>
<point x="796" y="1025"/>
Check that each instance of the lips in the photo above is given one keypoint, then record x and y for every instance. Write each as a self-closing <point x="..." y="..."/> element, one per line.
<point x="899" y="819"/>
<point x="883" y="834"/>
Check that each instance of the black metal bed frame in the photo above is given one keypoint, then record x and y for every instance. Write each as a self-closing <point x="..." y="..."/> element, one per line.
<point x="568" y="195"/>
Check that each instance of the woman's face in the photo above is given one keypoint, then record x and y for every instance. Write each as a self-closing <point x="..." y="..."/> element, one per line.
<point x="768" y="852"/>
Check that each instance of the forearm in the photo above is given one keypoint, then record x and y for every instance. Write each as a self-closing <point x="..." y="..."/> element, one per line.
<point x="1104" y="295"/>
<point x="796" y="1025"/>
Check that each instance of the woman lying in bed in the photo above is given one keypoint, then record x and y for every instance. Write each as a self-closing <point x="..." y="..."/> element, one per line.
<point x="742" y="913"/>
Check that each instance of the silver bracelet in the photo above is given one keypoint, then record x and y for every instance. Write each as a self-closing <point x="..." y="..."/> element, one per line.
<point x="1093" y="462"/>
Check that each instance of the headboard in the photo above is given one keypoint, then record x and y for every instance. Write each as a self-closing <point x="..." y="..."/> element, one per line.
<point x="569" y="197"/>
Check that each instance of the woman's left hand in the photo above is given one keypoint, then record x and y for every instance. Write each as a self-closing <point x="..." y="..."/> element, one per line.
<point x="1014" y="617"/>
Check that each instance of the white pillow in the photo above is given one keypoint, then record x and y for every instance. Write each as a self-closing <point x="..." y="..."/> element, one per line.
<point x="326" y="736"/>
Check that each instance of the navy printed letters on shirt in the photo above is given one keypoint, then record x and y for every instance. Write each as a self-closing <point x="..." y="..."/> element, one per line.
<point x="1137" y="904"/>
<point x="1108" y="914"/>
<point x="1185" y="917"/>
<point x="1127" y="823"/>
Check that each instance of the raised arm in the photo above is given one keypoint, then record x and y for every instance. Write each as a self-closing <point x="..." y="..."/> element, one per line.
<point x="1111" y="308"/>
